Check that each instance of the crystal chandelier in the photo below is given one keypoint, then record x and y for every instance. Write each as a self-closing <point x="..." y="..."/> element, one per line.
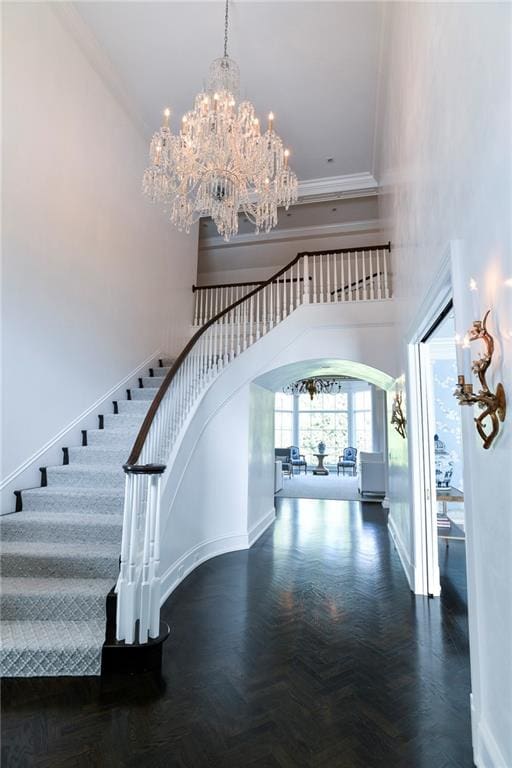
<point x="220" y="163"/>
<point x="317" y="386"/>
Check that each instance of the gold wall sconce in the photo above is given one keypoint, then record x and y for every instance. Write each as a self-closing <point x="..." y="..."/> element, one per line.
<point x="397" y="415"/>
<point x="492" y="404"/>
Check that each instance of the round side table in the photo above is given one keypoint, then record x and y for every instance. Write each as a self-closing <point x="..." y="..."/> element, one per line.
<point x="320" y="469"/>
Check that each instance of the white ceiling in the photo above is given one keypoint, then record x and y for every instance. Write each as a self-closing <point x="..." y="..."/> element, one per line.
<point x="313" y="63"/>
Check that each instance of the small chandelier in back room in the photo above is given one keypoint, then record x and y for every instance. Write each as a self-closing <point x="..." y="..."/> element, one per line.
<point x="220" y="163"/>
<point x="320" y="385"/>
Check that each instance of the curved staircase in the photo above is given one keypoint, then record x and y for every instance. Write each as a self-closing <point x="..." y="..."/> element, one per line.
<point x="91" y="524"/>
<point x="60" y="551"/>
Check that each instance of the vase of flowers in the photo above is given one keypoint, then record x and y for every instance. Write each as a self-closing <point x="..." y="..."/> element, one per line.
<point x="321" y="447"/>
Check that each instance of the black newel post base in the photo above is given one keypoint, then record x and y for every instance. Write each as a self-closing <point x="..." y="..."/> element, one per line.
<point x="121" y="658"/>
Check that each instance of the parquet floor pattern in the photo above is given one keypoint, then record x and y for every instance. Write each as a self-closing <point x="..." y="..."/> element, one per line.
<point x="308" y="650"/>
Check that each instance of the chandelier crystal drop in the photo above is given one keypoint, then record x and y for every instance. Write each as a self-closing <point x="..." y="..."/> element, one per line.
<point x="220" y="163"/>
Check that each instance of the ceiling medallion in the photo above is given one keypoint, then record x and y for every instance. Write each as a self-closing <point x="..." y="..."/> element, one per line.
<point x="316" y="386"/>
<point x="220" y="163"/>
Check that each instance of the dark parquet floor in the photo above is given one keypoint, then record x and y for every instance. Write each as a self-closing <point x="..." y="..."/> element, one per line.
<point x="308" y="650"/>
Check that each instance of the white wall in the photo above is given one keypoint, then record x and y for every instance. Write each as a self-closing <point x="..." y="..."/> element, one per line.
<point x="445" y="167"/>
<point x="95" y="280"/>
<point x="204" y="508"/>
<point x="218" y="487"/>
<point x="261" y="454"/>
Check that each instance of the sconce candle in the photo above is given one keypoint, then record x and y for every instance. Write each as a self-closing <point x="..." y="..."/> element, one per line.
<point x="466" y="357"/>
<point x="473" y="287"/>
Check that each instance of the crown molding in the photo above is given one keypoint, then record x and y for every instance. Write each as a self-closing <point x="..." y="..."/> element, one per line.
<point x="351" y="184"/>
<point x="83" y="36"/>
<point x="295" y="233"/>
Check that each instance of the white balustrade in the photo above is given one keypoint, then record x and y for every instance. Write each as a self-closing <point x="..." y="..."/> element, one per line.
<point x="236" y="317"/>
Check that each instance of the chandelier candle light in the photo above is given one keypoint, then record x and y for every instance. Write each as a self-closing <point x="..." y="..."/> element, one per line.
<point x="220" y="163"/>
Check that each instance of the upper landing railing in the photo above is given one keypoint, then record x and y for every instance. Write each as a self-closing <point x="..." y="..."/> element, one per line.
<point x="350" y="274"/>
<point x="229" y="325"/>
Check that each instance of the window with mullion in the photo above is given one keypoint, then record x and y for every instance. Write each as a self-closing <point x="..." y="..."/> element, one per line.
<point x="362" y="420"/>
<point x="283" y="420"/>
<point x="323" y="419"/>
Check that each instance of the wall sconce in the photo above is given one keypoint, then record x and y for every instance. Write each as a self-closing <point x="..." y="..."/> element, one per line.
<point x="397" y="415"/>
<point x="493" y="405"/>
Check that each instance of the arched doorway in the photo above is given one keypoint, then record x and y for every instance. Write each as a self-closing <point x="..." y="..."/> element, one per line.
<point x="352" y="420"/>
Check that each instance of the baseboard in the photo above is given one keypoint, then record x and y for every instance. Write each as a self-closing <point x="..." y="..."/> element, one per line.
<point x="487" y="753"/>
<point x="407" y="566"/>
<point x="261" y="526"/>
<point x="199" y="554"/>
<point x="26" y="475"/>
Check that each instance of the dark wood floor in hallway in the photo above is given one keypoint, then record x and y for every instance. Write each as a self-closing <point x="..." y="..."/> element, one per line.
<point x="308" y="650"/>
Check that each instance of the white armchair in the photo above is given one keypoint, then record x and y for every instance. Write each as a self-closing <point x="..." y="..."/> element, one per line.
<point x="372" y="473"/>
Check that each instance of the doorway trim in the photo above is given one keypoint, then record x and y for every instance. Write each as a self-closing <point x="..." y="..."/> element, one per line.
<point x="449" y="283"/>
<point x="421" y="466"/>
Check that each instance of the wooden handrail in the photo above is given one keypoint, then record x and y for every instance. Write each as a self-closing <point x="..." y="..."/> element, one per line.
<point x="153" y="408"/>
<point x="240" y="285"/>
<point x="224" y="285"/>
<point x="360" y="249"/>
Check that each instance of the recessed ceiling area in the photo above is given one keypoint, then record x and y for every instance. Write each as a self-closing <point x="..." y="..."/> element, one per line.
<point x="323" y="214"/>
<point x="314" y="64"/>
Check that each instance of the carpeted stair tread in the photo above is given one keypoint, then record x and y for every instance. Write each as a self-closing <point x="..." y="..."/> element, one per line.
<point x="96" y="476"/>
<point x="62" y="500"/>
<point x="112" y="438"/>
<point x="133" y="407"/>
<point x="61" y="526"/>
<point x="123" y="420"/>
<point x="42" y="599"/>
<point x="60" y="555"/>
<point x="102" y="455"/>
<point x="51" y="648"/>
<point x="59" y="559"/>
<point x="146" y="393"/>
<point x="151" y="382"/>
